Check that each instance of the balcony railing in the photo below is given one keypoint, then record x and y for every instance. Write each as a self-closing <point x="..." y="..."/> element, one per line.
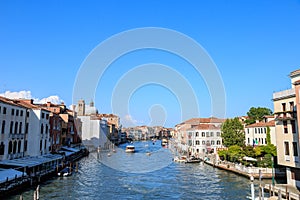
<point x="285" y="115"/>
<point x="284" y="94"/>
<point x="16" y="136"/>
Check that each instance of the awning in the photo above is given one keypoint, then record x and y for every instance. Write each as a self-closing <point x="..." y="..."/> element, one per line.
<point x="9" y="174"/>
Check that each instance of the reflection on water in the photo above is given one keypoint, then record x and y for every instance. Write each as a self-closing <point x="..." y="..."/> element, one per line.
<point x="96" y="180"/>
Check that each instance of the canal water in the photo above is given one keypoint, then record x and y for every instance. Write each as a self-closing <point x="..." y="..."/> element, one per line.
<point x="110" y="176"/>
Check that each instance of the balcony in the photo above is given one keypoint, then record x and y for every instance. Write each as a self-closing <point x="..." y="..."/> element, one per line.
<point x="16" y="136"/>
<point x="285" y="115"/>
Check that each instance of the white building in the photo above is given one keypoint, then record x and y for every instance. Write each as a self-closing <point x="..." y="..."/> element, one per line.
<point x="12" y="124"/>
<point x="256" y="134"/>
<point x="38" y="128"/>
<point x="94" y="131"/>
<point x="204" y="138"/>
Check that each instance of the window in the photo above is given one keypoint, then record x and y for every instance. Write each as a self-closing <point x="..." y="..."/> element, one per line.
<point x="258" y="130"/>
<point x="47" y="116"/>
<point x="46" y="131"/>
<point x="20" y="127"/>
<point x="45" y="144"/>
<point x="291" y="106"/>
<point x="2" y="148"/>
<point x="293" y="126"/>
<point x="265" y="129"/>
<point x="3" y="126"/>
<point x="12" y="111"/>
<point x="197" y="142"/>
<point x="21" y="113"/>
<point x="218" y="134"/>
<point x="218" y="142"/>
<point x="43" y="115"/>
<point x="285" y="129"/>
<point x="16" y="127"/>
<point x="15" y="147"/>
<point x="295" y="148"/>
<point x="211" y="134"/>
<point x="26" y="128"/>
<point x="0" y="109"/>
<point x="248" y="130"/>
<point x="207" y="134"/>
<point x="10" y="147"/>
<point x="4" y="110"/>
<point x="41" y="144"/>
<point x="25" y="145"/>
<point x="255" y="130"/>
<point x="197" y="134"/>
<point x="27" y="113"/>
<point x="248" y="140"/>
<point x="42" y="129"/>
<point x="286" y="149"/>
<point x="203" y="134"/>
<point x="212" y="142"/>
<point x="283" y="107"/>
<point x="17" y="112"/>
<point x="203" y="142"/>
<point x="19" y="146"/>
<point x="11" y="127"/>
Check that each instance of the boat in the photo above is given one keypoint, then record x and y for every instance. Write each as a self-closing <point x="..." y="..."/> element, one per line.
<point x="181" y="159"/>
<point x="164" y="142"/>
<point x="193" y="160"/>
<point x="65" y="172"/>
<point x="130" y="149"/>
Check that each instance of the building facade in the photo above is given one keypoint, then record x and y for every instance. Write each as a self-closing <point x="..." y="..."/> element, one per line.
<point x="256" y="134"/>
<point x="13" y="135"/>
<point x="287" y="113"/>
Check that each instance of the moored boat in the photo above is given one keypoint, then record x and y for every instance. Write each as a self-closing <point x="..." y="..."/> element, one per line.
<point x="193" y="160"/>
<point x="130" y="149"/>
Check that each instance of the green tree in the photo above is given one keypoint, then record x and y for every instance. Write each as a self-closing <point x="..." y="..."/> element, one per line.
<point x="233" y="133"/>
<point x="268" y="136"/>
<point x="257" y="114"/>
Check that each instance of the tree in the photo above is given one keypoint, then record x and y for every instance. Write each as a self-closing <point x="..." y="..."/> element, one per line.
<point x="268" y="136"/>
<point x="233" y="133"/>
<point x="257" y="114"/>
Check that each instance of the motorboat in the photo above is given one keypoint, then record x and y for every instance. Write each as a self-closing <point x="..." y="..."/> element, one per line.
<point x="65" y="172"/>
<point x="164" y="142"/>
<point x="193" y="160"/>
<point x="130" y="149"/>
<point x="181" y="159"/>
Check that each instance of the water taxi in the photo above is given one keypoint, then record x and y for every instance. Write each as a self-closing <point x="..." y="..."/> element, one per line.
<point x="130" y="149"/>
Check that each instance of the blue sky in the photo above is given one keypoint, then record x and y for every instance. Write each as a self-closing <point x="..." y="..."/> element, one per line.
<point x="254" y="44"/>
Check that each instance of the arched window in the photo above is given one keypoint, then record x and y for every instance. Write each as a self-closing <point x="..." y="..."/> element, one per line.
<point x="20" y="127"/>
<point x="16" y="127"/>
<point x="10" y="147"/>
<point x="218" y="142"/>
<point x="15" y="147"/>
<point x="2" y="148"/>
<point x="42" y="129"/>
<point x="19" y="146"/>
<point x="3" y="126"/>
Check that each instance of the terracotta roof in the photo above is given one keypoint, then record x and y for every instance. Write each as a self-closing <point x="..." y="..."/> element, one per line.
<point x="262" y="124"/>
<point x="204" y="120"/>
<point x="294" y="73"/>
<point x="9" y="101"/>
<point x="205" y="127"/>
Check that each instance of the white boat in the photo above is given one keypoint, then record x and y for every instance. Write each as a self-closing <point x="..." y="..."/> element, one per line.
<point x="181" y="159"/>
<point x="130" y="149"/>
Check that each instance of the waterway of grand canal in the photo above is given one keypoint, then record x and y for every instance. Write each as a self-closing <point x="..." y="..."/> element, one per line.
<point x="147" y="174"/>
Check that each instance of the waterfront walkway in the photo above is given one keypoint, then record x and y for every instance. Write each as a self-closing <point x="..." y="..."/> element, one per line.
<point x="266" y="173"/>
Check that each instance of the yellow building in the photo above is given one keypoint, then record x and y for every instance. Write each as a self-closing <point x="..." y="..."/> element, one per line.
<point x="287" y="111"/>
